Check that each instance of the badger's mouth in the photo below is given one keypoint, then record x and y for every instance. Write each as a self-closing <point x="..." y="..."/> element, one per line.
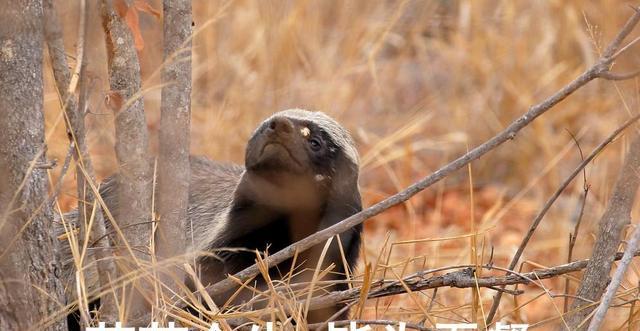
<point x="275" y="155"/>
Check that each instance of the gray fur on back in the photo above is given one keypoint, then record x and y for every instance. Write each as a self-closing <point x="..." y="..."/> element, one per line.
<point x="210" y="196"/>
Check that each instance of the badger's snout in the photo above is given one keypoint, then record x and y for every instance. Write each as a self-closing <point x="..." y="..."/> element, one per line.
<point x="276" y="147"/>
<point x="279" y="126"/>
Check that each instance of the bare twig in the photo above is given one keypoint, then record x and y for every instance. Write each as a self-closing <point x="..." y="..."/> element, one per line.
<point x="613" y="50"/>
<point x="601" y="311"/>
<point x="46" y="164"/>
<point x="617" y="76"/>
<point x="460" y="279"/>
<point x="626" y="47"/>
<point x="573" y="237"/>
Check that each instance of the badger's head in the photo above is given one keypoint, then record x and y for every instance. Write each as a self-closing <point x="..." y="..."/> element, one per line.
<point x="301" y="154"/>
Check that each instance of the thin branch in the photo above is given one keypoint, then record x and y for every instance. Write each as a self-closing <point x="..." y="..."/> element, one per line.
<point x="459" y="279"/>
<point x="601" y="311"/>
<point x="626" y="47"/>
<point x="507" y="291"/>
<point x="624" y="32"/>
<point x="617" y="77"/>
<point x="573" y="237"/>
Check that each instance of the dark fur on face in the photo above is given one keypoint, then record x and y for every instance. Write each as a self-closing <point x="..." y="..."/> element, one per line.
<point x="293" y="163"/>
<point x="301" y="176"/>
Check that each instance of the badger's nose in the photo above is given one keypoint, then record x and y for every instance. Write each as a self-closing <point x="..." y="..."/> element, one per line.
<point x="279" y="125"/>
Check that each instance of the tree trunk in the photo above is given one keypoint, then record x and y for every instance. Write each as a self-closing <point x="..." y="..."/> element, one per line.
<point x="30" y="290"/>
<point x="76" y="131"/>
<point x="173" y="162"/>
<point x="134" y="178"/>
<point x="615" y="218"/>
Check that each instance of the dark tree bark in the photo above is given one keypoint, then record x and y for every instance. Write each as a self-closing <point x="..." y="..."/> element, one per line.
<point x="615" y="218"/>
<point x="134" y="178"/>
<point x="30" y="290"/>
<point x="74" y="110"/>
<point x="173" y="162"/>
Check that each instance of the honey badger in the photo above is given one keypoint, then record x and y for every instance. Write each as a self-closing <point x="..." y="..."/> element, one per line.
<point x="300" y="176"/>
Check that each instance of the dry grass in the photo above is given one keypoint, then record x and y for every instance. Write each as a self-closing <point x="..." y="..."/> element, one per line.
<point x="417" y="83"/>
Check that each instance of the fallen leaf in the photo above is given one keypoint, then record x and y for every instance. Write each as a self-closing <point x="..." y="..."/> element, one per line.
<point x="132" y="20"/>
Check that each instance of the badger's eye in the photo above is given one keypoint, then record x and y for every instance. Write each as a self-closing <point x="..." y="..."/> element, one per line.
<point x="315" y="144"/>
